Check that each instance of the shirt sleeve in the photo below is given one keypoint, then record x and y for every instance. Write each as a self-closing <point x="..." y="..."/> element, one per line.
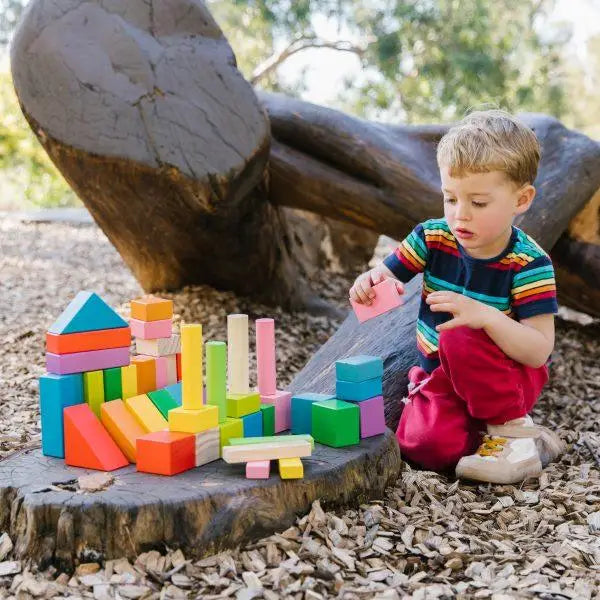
<point x="534" y="289"/>
<point x="410" y="257"/>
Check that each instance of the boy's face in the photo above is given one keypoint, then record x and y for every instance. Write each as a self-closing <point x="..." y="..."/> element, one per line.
<point x="480" y="207"/>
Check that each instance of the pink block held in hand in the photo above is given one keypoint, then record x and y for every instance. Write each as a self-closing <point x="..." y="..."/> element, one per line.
<point x="386" y="298"/>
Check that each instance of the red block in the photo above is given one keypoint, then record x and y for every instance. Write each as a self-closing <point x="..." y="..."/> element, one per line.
<point x="166" y="452"/>
<point x="178" y="359"/>
<point x="87" y="443"/>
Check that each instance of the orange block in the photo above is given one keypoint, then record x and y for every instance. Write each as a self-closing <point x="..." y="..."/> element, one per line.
<point x="151" y="308"/>
<point x="123" y="427"/>
<point x="146" y="373"/>
<point x="88" y="340"/>
<point x="166" y="452"/>
<point x="87" y="443"/>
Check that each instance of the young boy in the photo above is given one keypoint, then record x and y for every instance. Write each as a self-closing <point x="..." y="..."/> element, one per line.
<point x="486" y="327"/>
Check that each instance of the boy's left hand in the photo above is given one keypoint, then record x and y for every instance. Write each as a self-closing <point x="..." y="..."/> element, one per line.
<point x="465" y="311"/>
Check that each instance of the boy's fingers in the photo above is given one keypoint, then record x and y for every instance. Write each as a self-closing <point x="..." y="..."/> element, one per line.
<point x="443" y="307"/>
<point x="451" y="324"/>
<point x="377" y="277"/>
<point x="365" y="291"/>
<point x="400" y="287"/>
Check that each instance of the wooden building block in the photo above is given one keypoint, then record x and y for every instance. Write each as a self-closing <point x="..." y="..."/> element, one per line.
<point x="270" y="439"/>
<point x="273" y="451"/>
<point x="122" y="426"/>
<point x="258" y="469"/>
<point x="253" y="424"/>
<point x="239" y="405"/>
<point x="191" y="366"/>
<point x="208" y="446"/>
<point x="301" y="410"/>
<point x="159" y="346"/>
<point x="281" y="400"/>
<point x="67" y="343"/>
<point x="146" y="373"/>
<point x="268" y="418"/>
<point x="93" y="390"/>
<point x="150" y="330"/>
<point x="178" y="359"/>
<point x="86" y="312"/>
<point x="166" y="452"/>
<point x="386" y="298"/>
<point x="193" y="420"/>
<point x="335" y="423"/>
<point x="87" y="443"/>
<point x="151" y="308"/>
<point x="372" y="416"/>
<point x="237" y="355"/>
<point x="216" y="377"/>
<point x="291" y="468"/>
<point x="265" y="357"/>
<point x="129" y="381"/>
<point x="171" y="369"/>
<point x="175" y="391"/>
<point x="359" y="368"/>
<point x="113" y="387"/>
<point x="56" y="393"/>
<point x="161" y="372"/>
<point x="147" y="415"/>
<point x="163" y="401"/>
<point x="230" y="428"/>
<point x="80" y="362"/>
<point x="358" y="390"/>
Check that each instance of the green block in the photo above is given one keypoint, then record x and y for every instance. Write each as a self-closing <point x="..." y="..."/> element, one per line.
<point x="336" y="423"/>
<point x="268" y="417"/>
<point x="230" y="428"/>
<point x="240" y="405"/>
<point x="93" y="390"/>
<point x="112" y="384"/>
<point x="163" y="401"/>
<point x="267" y="439"/>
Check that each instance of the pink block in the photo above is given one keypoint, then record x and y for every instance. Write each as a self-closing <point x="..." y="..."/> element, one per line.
<point x="265" y="356"/>
<point x="94" y="360"/>
<point x="171" y="369"/>
<point x="258" y="469"/>
<point x="282" y="401"/>
<point x="372" y="416"/>
<point x="150" y="330"/>
<point x="386" y="299"/>
<point x="161" y="372"/>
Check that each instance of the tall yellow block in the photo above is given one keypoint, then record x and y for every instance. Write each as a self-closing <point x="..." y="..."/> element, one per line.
<point x="129" y="381"/>
<point x="191" y="368"/>
<point x="193" y="420"/>
<point x="93" y="390"/>
<point x="147" y="415"/>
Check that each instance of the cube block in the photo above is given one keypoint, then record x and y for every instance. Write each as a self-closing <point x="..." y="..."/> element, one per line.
<point x="281" y="400"/>
<point x="386" y="298"/>
<point x="358" y="390"/>
<point x="122" y="426"/>
<point x="291" y="468"/>
<point x="151" y="308"/>
<point x="301" y="410"/>
<point x="359" y="368"/>
<point x="230" y="428"/>
<point x="268" y="418"/>
<point x="336" y="423"/>
<point x="253" y="424"/>
<point x="193" y="420"/>
<point x="166" y="452"/>
<point x="372" y="416"/>
<point x="258" y="469"/>
<point x="239" y="405"/>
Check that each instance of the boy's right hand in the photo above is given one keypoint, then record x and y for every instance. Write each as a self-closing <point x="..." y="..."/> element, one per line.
<point x="362" y="288"/>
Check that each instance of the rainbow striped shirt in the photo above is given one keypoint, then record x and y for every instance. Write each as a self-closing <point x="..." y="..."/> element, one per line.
<point x="519" y="281"/>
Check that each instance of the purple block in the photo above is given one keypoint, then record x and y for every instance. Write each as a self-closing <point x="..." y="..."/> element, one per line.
<point x="372" y="416"/>
<point x="94" y="360"/>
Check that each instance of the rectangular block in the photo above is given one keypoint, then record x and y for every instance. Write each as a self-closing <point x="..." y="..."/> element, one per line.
<point x="68" y="343"/>
<point x="301" y="410"/>
<point x="265" y="356"/>
<point x="159" y="346"/>
<point x="216" y="377"/>
<point x="230" y="428"/>
<point x="166" y="452"/>
<point x="147" y="415"/>
<point x="237" y="355"/>
<point x="386" y="298"/>
<point x="270" y="439"/>
<point x="208" y="446"/>
<point x="194" y="420"/>
<point x="122" y="426"/>
<point x="129" y="381"/>
<point x="56" y="393"/>
<point x="335" y="423"/>
<point x="282" y="403"/>
<point x="268" y="418"/>
<point x="372" y="417"/>
<point x="151" y="330"/>
<point x="253" y="424"/>
<point x="163" y="400"/>
<point x="258" y="469"/>
<point x="357" y="391"/>
<point x="151" y="308"/>
<point x="146" y="373"/>
<point x="291" y="468"/>
<point x="161" y="372"/>
<point x="93" y="390"/>
<point x="113" y="387"/>
<point x="175" y="391"/>
<point x="359" y="368"/>
<point x="94" y="360"/>
<point x="178" y="359"/>
<point x="191" y="366"/>
<point x="273" y="451"/>
<point x="171" y="369"/>
<point x="239" y="405"/>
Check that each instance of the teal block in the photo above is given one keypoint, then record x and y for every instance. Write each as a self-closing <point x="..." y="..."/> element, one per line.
<point x="56" y="393"/>
<point x="253" y="424"/>
<point x="335" y="423"/>
<point x="175" y="391"/>
<point x="359" y="368"/>
<point x="358" y="390"/>
<point x="300" y="410"/>
<point x="87" y="312"/>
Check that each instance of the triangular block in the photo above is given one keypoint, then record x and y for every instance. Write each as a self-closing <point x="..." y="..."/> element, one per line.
<point x="87" y="312"/>
<point x="87" y="443"/>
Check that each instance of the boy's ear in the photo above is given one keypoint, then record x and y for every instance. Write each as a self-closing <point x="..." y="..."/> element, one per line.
<point x="526" y="196"/>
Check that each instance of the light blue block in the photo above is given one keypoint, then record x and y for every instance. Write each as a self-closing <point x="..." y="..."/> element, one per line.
<point x="359" y="368"/>
<point x="253" y="425"/>
<point x="301" y="410"/>
<point x="56" y="393"/>
<point x="358" y="391"/>
<point x="175" y="391"/>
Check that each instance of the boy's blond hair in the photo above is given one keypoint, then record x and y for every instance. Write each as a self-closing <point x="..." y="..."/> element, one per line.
<point x="490" y="140"/>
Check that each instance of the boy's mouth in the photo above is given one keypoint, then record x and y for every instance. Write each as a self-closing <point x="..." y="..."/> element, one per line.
<point x="464" y="234"/>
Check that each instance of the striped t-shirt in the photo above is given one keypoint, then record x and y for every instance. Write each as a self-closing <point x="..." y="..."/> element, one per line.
<point x="519" y="281"/>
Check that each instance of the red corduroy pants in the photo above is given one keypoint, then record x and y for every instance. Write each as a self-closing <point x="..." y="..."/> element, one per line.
<point x="475" y="384"/>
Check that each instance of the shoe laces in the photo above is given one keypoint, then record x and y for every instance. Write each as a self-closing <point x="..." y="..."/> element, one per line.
<point x="491" y="446"/>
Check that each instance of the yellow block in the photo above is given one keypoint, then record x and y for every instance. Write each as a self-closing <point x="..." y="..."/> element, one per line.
<point x="230" y="428"/>
<point x="193" y="420"/>
<point x="93" y="390"/>
<point x="291" y="468"/>
<point x="191" y="368"/>
<point x="129" y="381"/>
<point x="123" y="427"/>
<point x="146" y="414"/>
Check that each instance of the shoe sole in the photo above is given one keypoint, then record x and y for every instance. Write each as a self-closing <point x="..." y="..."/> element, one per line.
<point x="532" y="467"/>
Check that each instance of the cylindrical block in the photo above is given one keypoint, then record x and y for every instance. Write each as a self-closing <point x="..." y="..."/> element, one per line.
<point x="237" y="354"/>
<point x="191" y="366"/>
<point x="265" y="356"/>
<point x="216" y="377"/>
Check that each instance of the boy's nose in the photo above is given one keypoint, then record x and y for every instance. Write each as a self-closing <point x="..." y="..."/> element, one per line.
<point x="462" y="213"/>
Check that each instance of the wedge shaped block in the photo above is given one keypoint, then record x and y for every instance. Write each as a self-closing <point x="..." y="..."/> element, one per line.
<point x="258" y="469"/>
<point x="166" y="452"/>
<point x="372" y="416"/>
<point x="291" y="468"/>
<point x="335" y="423"/>
<point x="146" y="414"/>
<point x="93" y="390"/>
<point x="151" y="308"/>
<point x="122" y="426"/>
<point x="175" y="391"/>
<point x="239" y="405"/>
<point x="386" y="298"/>
<point x="194" y="420"/>
<point x="208" y="446"/>
<point x="230" y="428"/>
<point x="281" y="400"/>
<point x="94" y="360"/>
<point x="85" y="341"/>
<point x="150" y="330"/>
<point x="268" y="418"/>
<point x="301" y="410"/>
<point x="358" y="391"/>
<point x="359" y="368"/>
<point x="253" y="424"/>
<point x="163" y="401"/>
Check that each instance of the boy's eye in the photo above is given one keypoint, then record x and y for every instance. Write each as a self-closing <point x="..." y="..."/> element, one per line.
<point x="450" y="200"/>
<point x="479" y="204"/>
